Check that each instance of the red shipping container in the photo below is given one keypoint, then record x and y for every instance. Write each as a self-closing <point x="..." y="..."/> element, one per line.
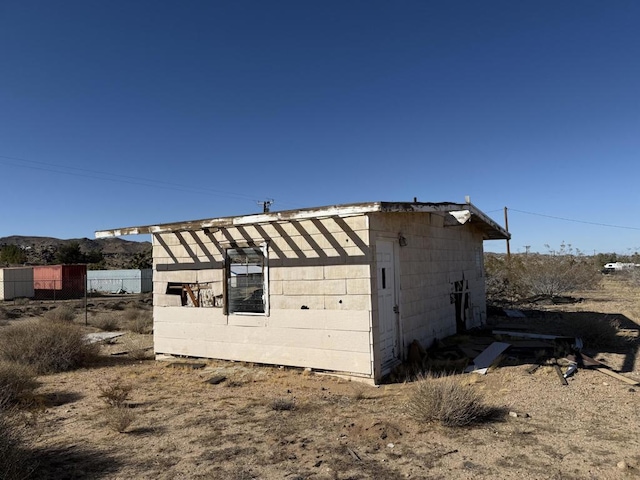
<point x="59" y="281"/>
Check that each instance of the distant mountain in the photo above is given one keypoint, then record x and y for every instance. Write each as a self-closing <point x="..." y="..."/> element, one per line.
<point x="117" y="253"/>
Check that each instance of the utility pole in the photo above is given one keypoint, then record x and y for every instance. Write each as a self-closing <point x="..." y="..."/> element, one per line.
<point x="506" y="227"/>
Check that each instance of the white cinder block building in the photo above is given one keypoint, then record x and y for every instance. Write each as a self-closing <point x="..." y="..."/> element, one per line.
<point x="344" y="288"/>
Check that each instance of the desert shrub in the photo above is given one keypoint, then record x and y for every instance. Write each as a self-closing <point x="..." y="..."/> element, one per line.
<point x="448" y="401"/>
<point x="119" y="306"/>
<point x="595" y="330"/>
<point x="15" y="461"/>
<point x="119" y="415"/>
<point x="16" y="382"/>
<point x="46" y="346"/>
<point x="62" y="313"/>
<point x="115" y="394"/>
<point x="141" y="322"/>
<point x="107" y="324"/>
<point x="553" y="273"/>
<point x="283" y="404"/>
<point x="137" y="348"/>
<point x="119" y="418"/>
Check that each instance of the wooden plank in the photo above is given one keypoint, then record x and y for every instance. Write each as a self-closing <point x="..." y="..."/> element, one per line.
<point x="487" y="357"/>
<point x="588" y="361"/>
<point x="530" y="335"/>
<point x="560" y="375"/>
<point x="613" y="374"/>
<point x="187" y="287"/>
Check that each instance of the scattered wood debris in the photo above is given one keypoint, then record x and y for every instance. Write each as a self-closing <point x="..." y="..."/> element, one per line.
<point x="488" y="356"/>
<point x="191" y="365"/>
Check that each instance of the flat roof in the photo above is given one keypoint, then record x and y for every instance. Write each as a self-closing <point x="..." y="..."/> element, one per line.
<point x="457" y="212"/>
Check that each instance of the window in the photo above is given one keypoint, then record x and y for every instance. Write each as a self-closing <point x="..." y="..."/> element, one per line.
<point x="195" y="294"/>
<point x="246" y="280"/>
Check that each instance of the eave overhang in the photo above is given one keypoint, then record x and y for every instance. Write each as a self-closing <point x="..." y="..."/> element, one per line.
<point x="462" y="213"/>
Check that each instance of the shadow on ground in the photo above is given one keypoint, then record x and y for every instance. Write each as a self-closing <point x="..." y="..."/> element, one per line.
<point x="71" y="463"/>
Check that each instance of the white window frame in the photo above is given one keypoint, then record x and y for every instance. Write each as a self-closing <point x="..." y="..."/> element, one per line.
<point x="264" y="248"/>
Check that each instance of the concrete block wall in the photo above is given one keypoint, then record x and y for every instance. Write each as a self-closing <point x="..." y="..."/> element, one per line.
<point x="433" y="259"/>
<point x="319" y="295"/>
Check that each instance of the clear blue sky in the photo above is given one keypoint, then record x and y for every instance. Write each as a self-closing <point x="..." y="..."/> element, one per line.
<point x="123" y="113"/>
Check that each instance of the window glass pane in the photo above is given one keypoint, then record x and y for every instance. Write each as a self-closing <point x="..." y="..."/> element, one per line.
<point x="245" y="280"/>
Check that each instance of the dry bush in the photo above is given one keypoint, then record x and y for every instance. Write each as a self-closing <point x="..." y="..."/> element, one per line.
<point x="448" y="401"/>
<point x="119" y="418"/>
<point x="119" y="415"/>
<point x="16" y="462"/>
<point x="554" y="273"/>
<point x="62" y="313"/>
<point x="138" y="348"/>
<point x="16" y="382"/>
<point x="115" y="394"/>
<point x="107" y="324"/>
<point x="140" y="321"/>
<point x="47" y="346"/>
<point x="595" y="330"/>
<point x="281" y="404"/>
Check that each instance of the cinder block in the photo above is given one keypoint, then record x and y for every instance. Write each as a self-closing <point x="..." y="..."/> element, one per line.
<point x="282" y="302"/>
<point x="347" y="302"/>
<point x="306" y="287"/>
<point x="163" y="300"/>
<point x="358" y="286"/>
<point x="297" y="273"/>
<point x="347" y="271"/>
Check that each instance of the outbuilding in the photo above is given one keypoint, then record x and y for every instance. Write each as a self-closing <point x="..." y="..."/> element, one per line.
<point x="120" y="281"/>
<point x="16" y="282"/>
<point x="343" y="288"/>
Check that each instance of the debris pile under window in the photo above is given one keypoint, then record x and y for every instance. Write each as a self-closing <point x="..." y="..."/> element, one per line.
<point x="196" y="294"/>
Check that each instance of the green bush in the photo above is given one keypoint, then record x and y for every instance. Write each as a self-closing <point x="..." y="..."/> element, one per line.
<point x="47" y="346"/>
<point x="446" y="400"/>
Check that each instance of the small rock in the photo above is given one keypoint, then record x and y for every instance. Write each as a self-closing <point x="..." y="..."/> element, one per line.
<point x="513" y="414"/>
<point x="631" y="389"/>
<point x="605" y="383"/>
<point x="622" y="465"/>
<point x="390" y="445"/>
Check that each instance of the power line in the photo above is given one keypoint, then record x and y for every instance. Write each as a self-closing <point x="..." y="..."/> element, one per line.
<point x="116" y="177"/>
<point x="574" y="221"/>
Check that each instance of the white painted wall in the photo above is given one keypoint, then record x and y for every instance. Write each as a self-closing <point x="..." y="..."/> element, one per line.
<point x="433" y="259"/>
<point x="319" y="295"/>
<point x="321" y="285"/>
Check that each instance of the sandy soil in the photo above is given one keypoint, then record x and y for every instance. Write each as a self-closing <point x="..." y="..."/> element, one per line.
<point x="187" y="428"/>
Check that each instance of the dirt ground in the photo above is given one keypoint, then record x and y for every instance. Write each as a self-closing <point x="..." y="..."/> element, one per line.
<point x="276" y="423"/>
